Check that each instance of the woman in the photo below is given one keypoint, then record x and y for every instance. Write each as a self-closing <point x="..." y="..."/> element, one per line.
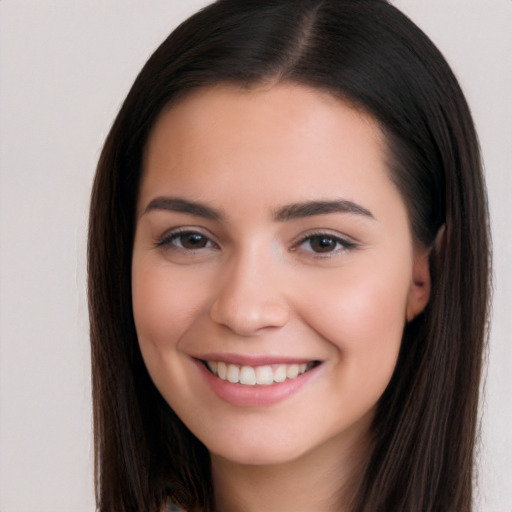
<point x="288" y="262"/>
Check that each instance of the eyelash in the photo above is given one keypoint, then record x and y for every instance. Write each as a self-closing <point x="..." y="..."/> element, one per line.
<point x="341" y="245"/>
<point x="168" y="239"/>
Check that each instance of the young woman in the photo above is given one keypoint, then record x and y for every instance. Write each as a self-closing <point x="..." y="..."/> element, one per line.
<point x="288" y="263"/>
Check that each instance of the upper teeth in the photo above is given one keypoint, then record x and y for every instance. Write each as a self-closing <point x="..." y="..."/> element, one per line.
<point x="262" y="375"/>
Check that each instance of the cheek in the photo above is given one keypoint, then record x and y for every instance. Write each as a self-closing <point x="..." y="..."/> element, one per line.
<point x="363" y="317"/>
<point x="164" y="308"/>
<point x="161" y="313"/>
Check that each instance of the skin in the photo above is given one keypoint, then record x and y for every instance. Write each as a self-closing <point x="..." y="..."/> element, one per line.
<point x="257" y="284"/>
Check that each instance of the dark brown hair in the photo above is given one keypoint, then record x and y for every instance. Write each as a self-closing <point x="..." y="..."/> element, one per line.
<point x="369" y="54"/>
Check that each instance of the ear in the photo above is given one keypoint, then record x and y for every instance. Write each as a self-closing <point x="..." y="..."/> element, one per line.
<point x="419" y="292"/>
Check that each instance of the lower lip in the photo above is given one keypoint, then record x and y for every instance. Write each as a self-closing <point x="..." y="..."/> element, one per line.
<point x="255" y="396"/>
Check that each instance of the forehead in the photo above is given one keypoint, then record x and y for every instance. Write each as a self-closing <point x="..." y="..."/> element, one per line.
<point x="287" y="107"/>
<point x="276" y="142"/>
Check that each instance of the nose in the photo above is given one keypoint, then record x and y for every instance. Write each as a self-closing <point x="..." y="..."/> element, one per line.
<point x="249" y="298"/>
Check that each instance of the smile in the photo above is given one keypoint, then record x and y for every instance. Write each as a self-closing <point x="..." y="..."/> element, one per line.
<point x="256" y="381"/>
<point x="265" y="375"/>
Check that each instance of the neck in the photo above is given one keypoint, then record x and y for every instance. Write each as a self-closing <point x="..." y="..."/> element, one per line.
<point x="323" y="480"/>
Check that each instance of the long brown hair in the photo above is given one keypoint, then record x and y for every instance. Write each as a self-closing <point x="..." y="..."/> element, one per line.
<point x="369" y="54"/>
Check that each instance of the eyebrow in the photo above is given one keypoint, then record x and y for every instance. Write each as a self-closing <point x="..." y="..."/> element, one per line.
<point x="311" y="208"/>
<point x="184" y="206"/>
<point x="283" y="214"/>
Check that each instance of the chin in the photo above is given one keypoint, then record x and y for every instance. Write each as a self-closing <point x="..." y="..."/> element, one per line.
<point x="255" y="455"/>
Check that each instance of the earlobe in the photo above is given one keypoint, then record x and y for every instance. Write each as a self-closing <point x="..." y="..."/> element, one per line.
<point x="419" y="292"/>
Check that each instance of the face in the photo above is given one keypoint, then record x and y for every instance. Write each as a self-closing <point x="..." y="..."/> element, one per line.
<point x="273" y="269"/>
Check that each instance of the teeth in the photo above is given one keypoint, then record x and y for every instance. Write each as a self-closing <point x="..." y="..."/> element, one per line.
<point x="261" y="375"/>
<point x="292" y="371"/>
<point x="247" y="376"/>
<point x="222" y="370"/>
<point x="233" y="373"/>
<point x="280" y="373"/>
<point x="264" y="375"/>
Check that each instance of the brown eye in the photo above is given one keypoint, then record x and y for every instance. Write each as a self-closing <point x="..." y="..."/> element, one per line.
<point x="192" y="241"/>
<point x="186" y="240"/>
<point x="323" y="243"/>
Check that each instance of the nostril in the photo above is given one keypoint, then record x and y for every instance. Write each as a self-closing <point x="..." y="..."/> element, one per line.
<point x="250" y="316"/>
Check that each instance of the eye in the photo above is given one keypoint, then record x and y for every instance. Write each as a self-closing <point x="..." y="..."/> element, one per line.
<point x="186" y="240"/>
<point x="325" y="243"/>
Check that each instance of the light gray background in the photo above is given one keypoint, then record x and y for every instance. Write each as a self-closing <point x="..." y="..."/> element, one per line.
<point x="65" y="67"/>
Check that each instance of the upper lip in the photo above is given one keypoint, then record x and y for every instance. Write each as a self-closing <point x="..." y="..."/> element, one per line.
<point x="253" y="360"/>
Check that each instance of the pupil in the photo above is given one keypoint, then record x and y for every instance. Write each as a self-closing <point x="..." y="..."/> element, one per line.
<point x="193" y="241"/>
<point x="322" y="244"/>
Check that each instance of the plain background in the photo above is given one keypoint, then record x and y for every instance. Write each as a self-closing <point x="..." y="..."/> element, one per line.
<point x="65" y="67"/>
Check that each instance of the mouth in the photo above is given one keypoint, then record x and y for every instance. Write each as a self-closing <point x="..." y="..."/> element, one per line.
<point x="264" y="375"/>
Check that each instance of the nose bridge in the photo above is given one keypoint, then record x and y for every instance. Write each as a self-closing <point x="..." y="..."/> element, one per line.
<point x="250" y="296"/>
